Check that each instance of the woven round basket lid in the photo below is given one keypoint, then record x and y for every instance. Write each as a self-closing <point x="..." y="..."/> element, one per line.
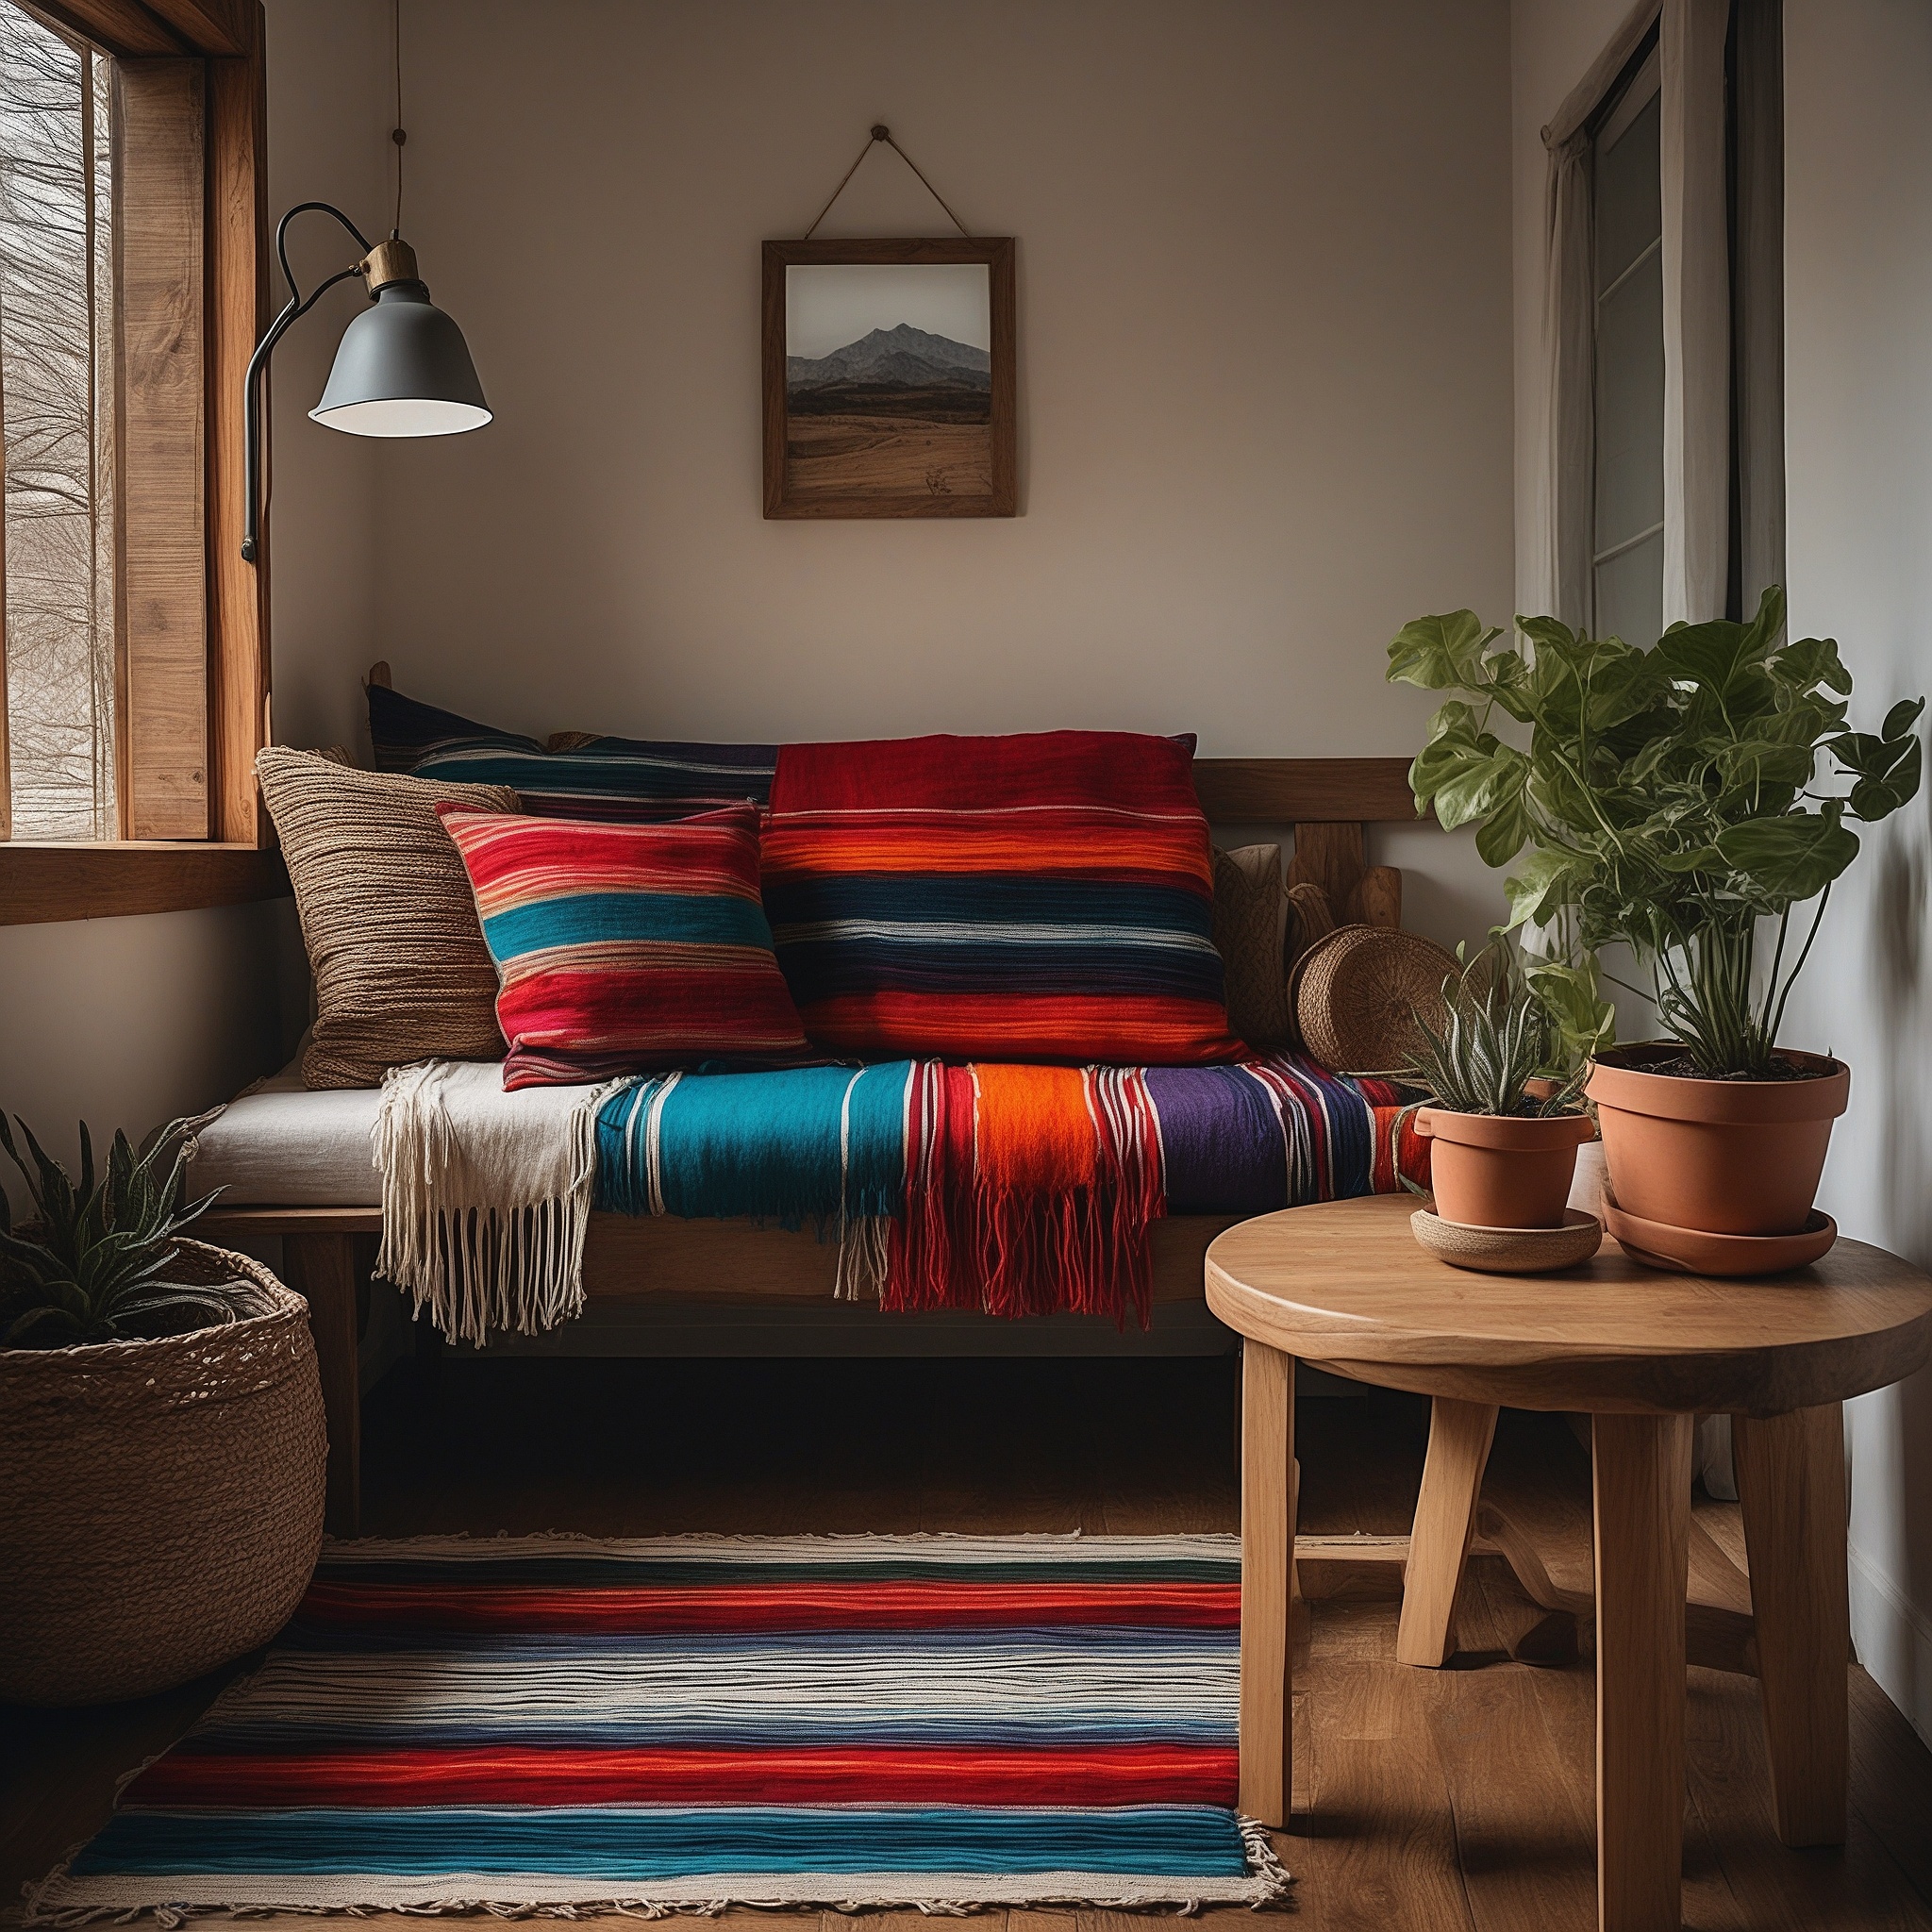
<point x="1357" y="994"/>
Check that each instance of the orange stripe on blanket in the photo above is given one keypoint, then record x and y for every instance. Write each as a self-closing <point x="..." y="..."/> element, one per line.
<point x="1160" y="855"/>
<point x="1031" y="1192"/>
<point x="1035" y="1132"/>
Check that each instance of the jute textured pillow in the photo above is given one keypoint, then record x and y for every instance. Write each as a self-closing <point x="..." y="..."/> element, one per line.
<point x="401" y="970"/>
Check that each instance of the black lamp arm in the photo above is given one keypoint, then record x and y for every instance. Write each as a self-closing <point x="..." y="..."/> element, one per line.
<point x="293" y="310"/>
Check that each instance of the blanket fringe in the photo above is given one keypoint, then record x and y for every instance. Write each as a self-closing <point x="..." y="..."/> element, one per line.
<point x="1068" y="1234"/>
<point x="865" y="1258"/>
<point x="478" y="1268"/>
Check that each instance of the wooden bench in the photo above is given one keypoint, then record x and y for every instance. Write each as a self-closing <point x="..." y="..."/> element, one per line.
<point x="328" y="1251"/>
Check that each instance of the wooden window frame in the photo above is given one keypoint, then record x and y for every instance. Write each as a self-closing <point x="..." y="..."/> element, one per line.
<point x="45" y="881"/>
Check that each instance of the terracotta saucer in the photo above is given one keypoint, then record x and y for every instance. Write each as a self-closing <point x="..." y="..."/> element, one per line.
<point x="1509" y="1250"/>
<point x="1690" y="1251"/>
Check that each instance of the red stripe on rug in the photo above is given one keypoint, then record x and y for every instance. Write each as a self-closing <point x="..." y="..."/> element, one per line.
<point x="495" y="1774"/>
<point x="375" y="1607"/>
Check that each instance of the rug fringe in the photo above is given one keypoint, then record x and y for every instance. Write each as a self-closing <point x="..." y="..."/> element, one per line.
<point x="1266" y="1884"/>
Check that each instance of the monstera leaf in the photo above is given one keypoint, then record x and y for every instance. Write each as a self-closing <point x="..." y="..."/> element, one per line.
<point x="1440" y="653"/>
<point x="1789" y="860"/>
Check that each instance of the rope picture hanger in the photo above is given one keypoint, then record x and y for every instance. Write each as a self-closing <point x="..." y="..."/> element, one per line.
<point x="882" y="133"/>
<point x="887" y="368"/>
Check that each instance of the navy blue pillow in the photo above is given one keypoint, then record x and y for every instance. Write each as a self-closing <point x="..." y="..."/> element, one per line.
<point x="599" y="777"/>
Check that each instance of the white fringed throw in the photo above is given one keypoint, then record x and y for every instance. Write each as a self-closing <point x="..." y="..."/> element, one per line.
<point x="486" y="1195"/>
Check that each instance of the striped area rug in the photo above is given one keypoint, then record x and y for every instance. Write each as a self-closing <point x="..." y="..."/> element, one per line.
<point x="557" y="1724"/>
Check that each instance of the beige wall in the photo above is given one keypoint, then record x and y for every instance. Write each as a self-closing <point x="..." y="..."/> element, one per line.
<point x="126" y="1023"/>
<point x="1859" y="459"/>
<point x="1265" y="409"/>
<point x="328" y="141"/>
<point x="1263" y="371"/>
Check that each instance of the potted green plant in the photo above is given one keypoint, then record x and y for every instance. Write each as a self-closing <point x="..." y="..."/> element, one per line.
<point x="1504" y="1134"/>
<point x="1671" y="798"/>
<point x="163" y="1449"/>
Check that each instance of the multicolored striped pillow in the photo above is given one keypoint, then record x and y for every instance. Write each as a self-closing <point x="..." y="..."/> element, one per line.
<point x="623" y="778"/>
<point x="625" y="949"/>
<point x="1039" y="897"/>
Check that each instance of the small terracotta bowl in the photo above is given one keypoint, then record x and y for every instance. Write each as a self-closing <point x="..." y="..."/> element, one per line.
<point x="1692" y="1251"/>
<point x="1509" y="1250"/>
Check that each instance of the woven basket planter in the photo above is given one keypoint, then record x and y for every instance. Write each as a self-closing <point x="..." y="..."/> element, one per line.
<point x="160" y="1502"/>
<point x="1357" y="992"/>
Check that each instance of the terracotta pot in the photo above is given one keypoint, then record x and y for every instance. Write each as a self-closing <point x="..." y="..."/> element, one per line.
<point x="1494" y="1170"/>
<point x="1725" y="1156"/>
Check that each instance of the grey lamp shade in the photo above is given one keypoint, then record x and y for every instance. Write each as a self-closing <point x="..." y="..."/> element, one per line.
<point x="403" y="369"/>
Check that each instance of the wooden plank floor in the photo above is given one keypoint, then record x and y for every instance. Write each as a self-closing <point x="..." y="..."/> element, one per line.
<point x="1426" y="1800"/>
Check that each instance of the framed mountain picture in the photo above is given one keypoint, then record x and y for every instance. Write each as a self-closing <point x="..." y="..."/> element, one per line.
<point x="889" y="378"/>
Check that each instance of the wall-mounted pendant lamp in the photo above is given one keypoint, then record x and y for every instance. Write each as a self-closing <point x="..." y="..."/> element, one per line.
<point x="403" y="368"/>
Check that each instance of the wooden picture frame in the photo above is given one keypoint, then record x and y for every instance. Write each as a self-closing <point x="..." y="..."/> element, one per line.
<point x="874" y="439"/>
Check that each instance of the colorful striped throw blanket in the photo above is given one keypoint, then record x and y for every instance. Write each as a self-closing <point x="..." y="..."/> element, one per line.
<point x="1010" y="1189"/>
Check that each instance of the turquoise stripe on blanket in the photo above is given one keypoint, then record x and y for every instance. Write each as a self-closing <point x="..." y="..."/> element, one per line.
<point x="810" y="1143"/>
<point x="646" y="1842"/>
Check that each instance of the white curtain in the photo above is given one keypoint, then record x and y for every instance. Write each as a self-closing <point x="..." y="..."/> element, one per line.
<point x="1697" y="312"/>
<point x="1757" y="323"/>
<point x="1569" y="354"/>
<point x="1696" y="320"/>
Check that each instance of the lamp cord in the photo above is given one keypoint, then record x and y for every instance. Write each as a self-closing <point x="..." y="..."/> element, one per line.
<point x="880" y="133"/>
<point x="397" y="133"/>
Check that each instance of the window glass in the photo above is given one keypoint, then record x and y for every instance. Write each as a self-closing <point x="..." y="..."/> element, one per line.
<point x="1629" y="544"/>
<point x="57" y="390"/>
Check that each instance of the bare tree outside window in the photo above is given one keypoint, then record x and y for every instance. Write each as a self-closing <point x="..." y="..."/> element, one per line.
<point x="58" y="379"/>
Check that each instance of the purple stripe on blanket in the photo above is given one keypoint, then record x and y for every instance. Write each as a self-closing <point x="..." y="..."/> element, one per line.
<point x="1221" y="1141"/>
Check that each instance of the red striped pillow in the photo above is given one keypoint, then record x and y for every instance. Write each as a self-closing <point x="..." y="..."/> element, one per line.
<point x="1046" y="896"/>
<point x="626" y="948"/>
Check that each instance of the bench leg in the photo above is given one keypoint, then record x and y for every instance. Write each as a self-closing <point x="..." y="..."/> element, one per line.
<point x="321" y="1269"/>
<point x="1643" y="1482"/>
<point x="1267" y="1558"/>
<point x="1459" y="1438"/>
<point x="1791" y="1485"/>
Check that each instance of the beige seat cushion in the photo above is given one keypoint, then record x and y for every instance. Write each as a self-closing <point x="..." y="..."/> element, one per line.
<point x="1250" y="934"/>
<point x="279" y="1142"/>
<point x="401" y="971"/>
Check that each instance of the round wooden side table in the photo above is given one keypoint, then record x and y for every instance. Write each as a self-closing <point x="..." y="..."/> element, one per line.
<point x="1344" y="1286"/>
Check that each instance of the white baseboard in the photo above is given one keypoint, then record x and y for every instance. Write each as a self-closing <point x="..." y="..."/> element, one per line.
<point x="1893" y="1639"/>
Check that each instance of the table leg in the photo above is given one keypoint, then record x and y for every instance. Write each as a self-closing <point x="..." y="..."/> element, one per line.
<point x="1791" y="1484"/>
<point x="1459" y="1438"/>
<point x="1267" y="1555"/>
<point x="321" y="1268"/>
<point x="1642" y="1480"/>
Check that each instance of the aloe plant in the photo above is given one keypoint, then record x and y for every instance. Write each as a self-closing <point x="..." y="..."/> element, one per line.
<point x="1496" y="1036"/>
<point x="91" y="1264"/>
